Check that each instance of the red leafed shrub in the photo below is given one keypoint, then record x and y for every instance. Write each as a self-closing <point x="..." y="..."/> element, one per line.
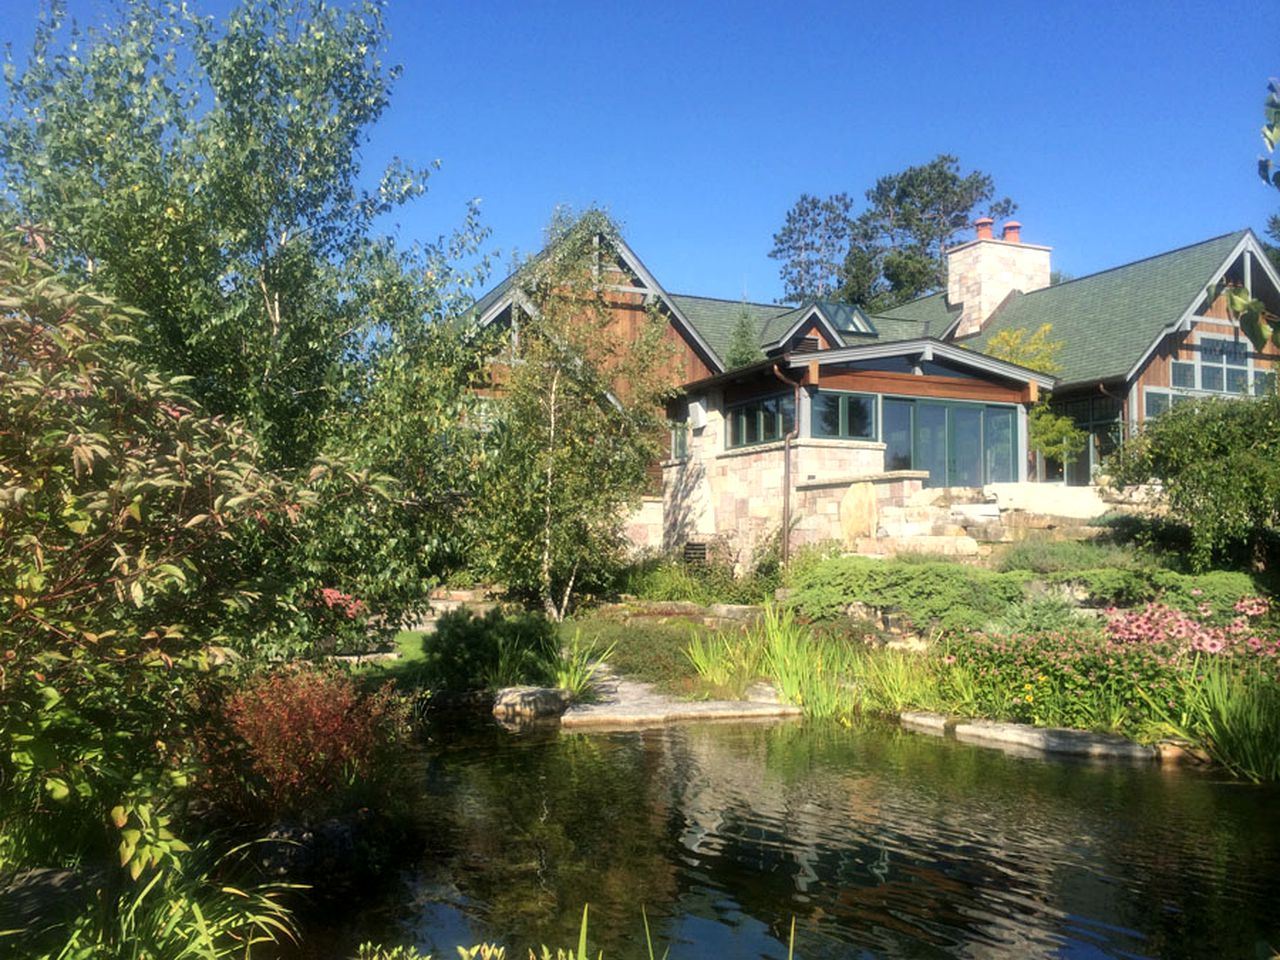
<point x="303" y="742"/>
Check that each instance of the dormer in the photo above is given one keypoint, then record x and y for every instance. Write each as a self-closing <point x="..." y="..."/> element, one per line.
<point x="984" y="271"/>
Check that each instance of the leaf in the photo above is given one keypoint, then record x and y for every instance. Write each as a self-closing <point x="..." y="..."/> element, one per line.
<point x="119" y="817"/>
<point x="57" y="788"/>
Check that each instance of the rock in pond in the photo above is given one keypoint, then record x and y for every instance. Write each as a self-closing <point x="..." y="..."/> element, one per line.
<point x="529" y="703"/>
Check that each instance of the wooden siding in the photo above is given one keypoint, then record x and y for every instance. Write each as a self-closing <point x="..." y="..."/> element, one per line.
<point x="909" y="385"/>
<point x="1183" y="346"/>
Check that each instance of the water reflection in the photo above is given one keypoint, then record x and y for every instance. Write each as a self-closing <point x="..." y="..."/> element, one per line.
<point x="878" y="843"/>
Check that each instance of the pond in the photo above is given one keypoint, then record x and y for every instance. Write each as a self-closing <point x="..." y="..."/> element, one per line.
<point x="878" y="842"/>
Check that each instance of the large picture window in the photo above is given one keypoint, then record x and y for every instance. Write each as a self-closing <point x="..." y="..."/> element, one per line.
<point x="761" y="421"/>
<point x="960" y="444"/>
<point x="850" y="416"/>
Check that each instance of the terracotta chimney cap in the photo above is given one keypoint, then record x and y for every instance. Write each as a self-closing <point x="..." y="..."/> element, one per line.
<point x="1012" y="232"/>
<point x="984" y="227"/>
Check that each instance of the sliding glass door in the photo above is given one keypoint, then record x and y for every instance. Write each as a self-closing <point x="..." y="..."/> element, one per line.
<point x="960" y="444"/>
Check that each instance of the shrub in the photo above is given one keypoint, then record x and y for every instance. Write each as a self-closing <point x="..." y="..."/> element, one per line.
<point x="1116" y="587"/>
<point x="122" y="504"/>
<point x="1040" y="555"/>
<point x="467" y="652"/>
<point x="1037" y="614"/>
<point x="948" y="595"/>
<point x="701" y="583"/>
<point x="1218" y="462"/>
<point x="302" y="742"/>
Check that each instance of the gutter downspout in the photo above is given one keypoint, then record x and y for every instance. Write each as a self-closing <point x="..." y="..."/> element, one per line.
<point x="786" y="463"/>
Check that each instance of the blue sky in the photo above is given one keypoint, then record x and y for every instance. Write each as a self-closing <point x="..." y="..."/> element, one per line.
<point x="1121" y="129"/>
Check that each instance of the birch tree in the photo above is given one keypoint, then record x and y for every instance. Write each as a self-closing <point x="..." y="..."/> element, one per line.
<point x="577" y="421"/>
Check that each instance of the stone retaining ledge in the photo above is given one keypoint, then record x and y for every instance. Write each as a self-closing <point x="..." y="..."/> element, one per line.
<point x="1055" y="740"/>
<point x="652" y="715"/>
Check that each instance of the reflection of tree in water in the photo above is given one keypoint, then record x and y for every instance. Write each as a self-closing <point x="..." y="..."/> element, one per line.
<point x="542" y="828"/>
<point x="900" y="844"/>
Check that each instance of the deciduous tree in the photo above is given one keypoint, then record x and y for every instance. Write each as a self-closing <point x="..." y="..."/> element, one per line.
<point x="577" y="424"/>
<point x="1050" y="434"/>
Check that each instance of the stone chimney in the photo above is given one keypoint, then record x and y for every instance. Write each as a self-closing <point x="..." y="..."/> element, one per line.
<point x="982" y="272"/>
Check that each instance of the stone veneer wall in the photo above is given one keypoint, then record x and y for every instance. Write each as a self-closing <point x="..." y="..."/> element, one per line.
<point x="735" y="496"/>
<point x="981" y="273"/>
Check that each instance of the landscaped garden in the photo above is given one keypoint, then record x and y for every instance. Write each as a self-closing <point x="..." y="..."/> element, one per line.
<point x="244" y="437"/>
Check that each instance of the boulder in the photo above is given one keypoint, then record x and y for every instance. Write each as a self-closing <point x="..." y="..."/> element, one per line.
<point x="529" y="703"/>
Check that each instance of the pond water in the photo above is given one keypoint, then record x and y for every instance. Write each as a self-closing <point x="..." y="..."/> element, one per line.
<point x="878" y="842"/>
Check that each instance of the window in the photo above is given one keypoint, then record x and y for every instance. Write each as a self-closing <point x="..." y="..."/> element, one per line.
<point x="761" y="421"/>
<point x="1184" y="375"/>
<point x="1155" y="403"/>
<point x="959" y="444"/>
<point x="680" y="440"/>
<point x="1264" y="382"/>
<point x="1224" y="365"/>
<point x="846" y="415"/>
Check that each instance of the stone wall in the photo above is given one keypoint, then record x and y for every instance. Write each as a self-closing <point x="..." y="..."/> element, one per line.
<point x="981" y="273"/>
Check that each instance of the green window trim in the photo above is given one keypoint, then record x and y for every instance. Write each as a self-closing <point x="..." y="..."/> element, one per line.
<point x="763" y="420"/>
<point x="841" y="415"/>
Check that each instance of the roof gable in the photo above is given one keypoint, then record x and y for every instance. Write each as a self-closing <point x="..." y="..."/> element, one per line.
<point x="497" y="301"/>
<point x="1108" y="321"/>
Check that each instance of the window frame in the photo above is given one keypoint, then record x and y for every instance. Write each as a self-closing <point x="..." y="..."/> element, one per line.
<point x="757" y="406"/>
<point x="842" y="428"/>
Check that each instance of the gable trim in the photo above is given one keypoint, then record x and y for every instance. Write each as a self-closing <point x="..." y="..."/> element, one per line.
<point x="929" y="348"/>
<point x="814" y="313"/>
<point x="1249" y="243"/>
<point x="650" y="288"/>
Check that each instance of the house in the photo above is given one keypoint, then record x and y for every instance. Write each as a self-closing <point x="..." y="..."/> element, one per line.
<point x="851" y="422"/>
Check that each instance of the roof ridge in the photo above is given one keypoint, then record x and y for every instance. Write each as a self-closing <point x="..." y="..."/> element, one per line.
<point x="780" y="307"/>
<point x="1134" y="263"/>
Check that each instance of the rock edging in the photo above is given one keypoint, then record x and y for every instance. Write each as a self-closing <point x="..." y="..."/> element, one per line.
<point x="1059" y="741"/>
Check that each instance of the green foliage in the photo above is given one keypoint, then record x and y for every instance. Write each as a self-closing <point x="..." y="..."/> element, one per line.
<point x="208" y="174"/>
<point x="1051" y="434"/>
<point x="646" y="649"/>
<point x="1068" y="677"/>
<point x="467" y="652"/>
<point x="120" y="506"/>
<point x="897" y="244"/>
<point x="727" y="662"/>
<point x="1037" y="613"/>
<point x="659" y="578"/>
<point x="1042" y="555"/>
<point x="811" y="672"/>
<point x="1218" y="463"/>
<point x="205" y="911"/>
<point x="744" y="347"/>
<point x="1260" y="326"/>
<point x="946" y="595"/>
<point x="1230" y="710"/>
<point x="579" y="667"/>
<point x="576" y="426"/>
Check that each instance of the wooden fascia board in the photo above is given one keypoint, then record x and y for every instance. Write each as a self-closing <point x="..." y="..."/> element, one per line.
<point x="1184" y="321"/>
<point x="929" y="348"/>
<point x="687" y="328"/>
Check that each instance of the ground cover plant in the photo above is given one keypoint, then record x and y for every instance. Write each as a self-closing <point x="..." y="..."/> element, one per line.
<point x="653" y="650"/>
<point x="949" y="596"/>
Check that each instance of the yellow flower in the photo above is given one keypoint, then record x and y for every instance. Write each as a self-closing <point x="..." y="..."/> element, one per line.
<point x="1027" y="686"/>
<point x="1030" y="699"/>
<point x="1041" y="679"/>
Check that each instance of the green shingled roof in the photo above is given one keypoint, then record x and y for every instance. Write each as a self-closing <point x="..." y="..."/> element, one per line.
<point x="934" y="310"/>
<point x="716" y="319"/>
<point x="1108" y="320"/>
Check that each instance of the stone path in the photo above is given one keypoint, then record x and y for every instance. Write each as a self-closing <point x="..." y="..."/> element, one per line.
<point x="629" y="703"/>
